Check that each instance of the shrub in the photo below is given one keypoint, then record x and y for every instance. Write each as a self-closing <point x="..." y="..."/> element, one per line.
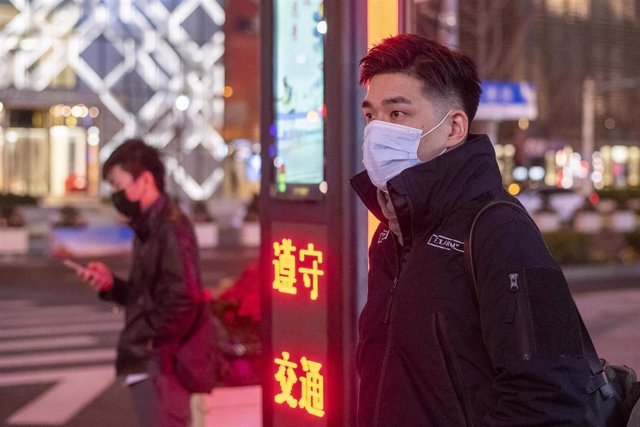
<point x="620" y="195"/>
<point x="633" y="241"/>
<point x="10" y="199"/>
<point x="568" y="247"/>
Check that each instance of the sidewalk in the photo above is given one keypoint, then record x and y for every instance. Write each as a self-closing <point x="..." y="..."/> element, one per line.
<point x="228" y="407"/>
<point x="589" y="278"/>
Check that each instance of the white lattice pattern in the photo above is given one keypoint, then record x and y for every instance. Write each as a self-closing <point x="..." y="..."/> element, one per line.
<point x="138" y="57"/>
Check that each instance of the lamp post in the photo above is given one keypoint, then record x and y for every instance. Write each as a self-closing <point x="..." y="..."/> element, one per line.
<point x="588" y="129"/>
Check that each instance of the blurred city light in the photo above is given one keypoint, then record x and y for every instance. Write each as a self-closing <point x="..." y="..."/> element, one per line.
<point x="523" y="123"/>
<point x="520" y="173"/>
<point x="322" y="27"/>
<point x="514" y="189"/>
<point x="182" y="103"/>
<point x="536" y="173"/>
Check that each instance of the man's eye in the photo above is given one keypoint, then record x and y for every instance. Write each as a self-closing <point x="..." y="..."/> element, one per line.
<point x="368" y="117"/>
<point x="396" y="114"/>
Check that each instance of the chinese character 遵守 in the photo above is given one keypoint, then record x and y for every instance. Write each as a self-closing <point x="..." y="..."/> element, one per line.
<point x="310" y="275"/>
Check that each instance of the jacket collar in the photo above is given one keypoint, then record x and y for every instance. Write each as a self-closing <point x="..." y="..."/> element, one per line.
<point x="437" y="188"/>
<point x="428" y="192"/>
<point x="150" y="220"/>
<point x="364" y="188"/>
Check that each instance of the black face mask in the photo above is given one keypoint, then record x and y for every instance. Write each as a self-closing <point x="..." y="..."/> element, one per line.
<point x="125" y="206"/>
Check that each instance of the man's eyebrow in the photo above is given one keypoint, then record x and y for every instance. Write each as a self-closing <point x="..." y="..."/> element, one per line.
<point x="389" y="101"/>
<point x="396" y="100"/>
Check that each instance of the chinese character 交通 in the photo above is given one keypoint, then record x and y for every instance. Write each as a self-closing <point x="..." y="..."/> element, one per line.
<point x="286" y="377"/>
<point x="312" y="384"/>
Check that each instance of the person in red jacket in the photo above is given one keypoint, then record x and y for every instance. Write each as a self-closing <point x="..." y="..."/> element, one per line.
<point x="162" y="291"/>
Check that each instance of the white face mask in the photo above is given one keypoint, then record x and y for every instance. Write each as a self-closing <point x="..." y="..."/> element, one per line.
<point x="389" y="148"/>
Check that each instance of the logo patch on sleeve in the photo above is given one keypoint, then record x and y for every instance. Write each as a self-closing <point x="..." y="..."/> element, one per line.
<point x="383" y="235"/>
<point x="446" y="243"/>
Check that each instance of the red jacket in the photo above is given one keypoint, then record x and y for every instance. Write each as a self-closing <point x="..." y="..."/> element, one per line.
<point x="163" y="289"/>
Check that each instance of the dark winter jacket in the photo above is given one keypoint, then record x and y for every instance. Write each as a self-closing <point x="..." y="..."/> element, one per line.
<point x="163" y="289"/>
<point x="430" y="353"/>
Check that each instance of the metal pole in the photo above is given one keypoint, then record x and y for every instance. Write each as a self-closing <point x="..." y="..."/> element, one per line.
<point x="448" y="23"/>
<point x="588" y="129"/>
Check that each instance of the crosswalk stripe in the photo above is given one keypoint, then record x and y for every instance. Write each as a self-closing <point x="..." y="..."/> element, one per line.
<point x="48" y="311"/>
<point x="46" y="375"/>
<point x="61" y="318"/>
<point x="60" y="330"/>
<point x="12" y="304"/>
<point x="61" y="347"/>
<point x="73" y="390"/>
<point x="47" y="343"/>
<point x="95" y="355"/>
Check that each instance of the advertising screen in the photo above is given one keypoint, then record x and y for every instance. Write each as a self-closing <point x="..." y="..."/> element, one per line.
<point x="299" y="97"/>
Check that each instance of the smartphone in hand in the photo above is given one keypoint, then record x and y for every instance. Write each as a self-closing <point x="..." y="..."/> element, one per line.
<point x="78" y="268"/>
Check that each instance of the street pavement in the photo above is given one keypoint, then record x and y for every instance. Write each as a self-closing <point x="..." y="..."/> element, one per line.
<point x="57" y="347"/>
<point x="613" y="319"/>
<point x="57" y="340"/>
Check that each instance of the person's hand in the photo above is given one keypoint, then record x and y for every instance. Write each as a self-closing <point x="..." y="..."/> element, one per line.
<point x="98" y="276"/>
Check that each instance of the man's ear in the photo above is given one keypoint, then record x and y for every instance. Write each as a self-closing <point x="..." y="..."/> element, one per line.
<point x="459" y="128"/>
<point x="148" y="178"/>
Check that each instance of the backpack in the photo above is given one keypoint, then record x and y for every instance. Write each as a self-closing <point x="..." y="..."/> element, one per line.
<point x="614" y="389"/>
<point x="196" y="359"/>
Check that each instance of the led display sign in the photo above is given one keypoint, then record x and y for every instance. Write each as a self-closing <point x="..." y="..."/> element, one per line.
<point x="299" y="323"/>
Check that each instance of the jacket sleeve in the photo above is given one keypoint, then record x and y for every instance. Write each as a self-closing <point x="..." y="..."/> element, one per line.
<point x="177" y="288"/>
<point x="530" y="326"/>
<point x="117" y="293"/>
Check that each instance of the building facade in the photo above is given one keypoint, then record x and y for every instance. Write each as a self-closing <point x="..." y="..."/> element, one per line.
<point x="78" y="78"/>
<point x="556" y="45"/>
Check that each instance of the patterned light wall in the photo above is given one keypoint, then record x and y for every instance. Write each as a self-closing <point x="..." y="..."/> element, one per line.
<point x="156" y="65"/>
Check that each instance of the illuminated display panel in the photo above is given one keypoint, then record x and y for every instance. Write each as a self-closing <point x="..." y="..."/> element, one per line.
<point x="299" y="98"/>
<point x="298" y="280"/>
<point x="382" y="21"/>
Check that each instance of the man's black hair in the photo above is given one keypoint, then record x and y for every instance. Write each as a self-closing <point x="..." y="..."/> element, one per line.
<point x="136" y="157"/>
<point x="448" y="74"/>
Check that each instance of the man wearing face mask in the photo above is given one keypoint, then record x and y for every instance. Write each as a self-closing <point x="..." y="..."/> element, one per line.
<point x="431" y="352"/>
<point x="162" y="291"/>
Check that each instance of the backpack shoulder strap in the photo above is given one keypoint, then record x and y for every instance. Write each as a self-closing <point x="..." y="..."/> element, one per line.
<point x="468" y="243"/>
<point x="599" y="380"/>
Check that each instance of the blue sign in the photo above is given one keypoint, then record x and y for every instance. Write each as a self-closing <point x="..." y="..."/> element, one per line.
<point x="507" y="101"/>
<point x="96" y="240"/>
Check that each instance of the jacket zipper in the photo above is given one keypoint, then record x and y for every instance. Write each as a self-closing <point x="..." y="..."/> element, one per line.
<point x="512" y="303"/>
<point x="518" y="311"/>
<point x="387" y="320"/>
<point x="392" y="292"/>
